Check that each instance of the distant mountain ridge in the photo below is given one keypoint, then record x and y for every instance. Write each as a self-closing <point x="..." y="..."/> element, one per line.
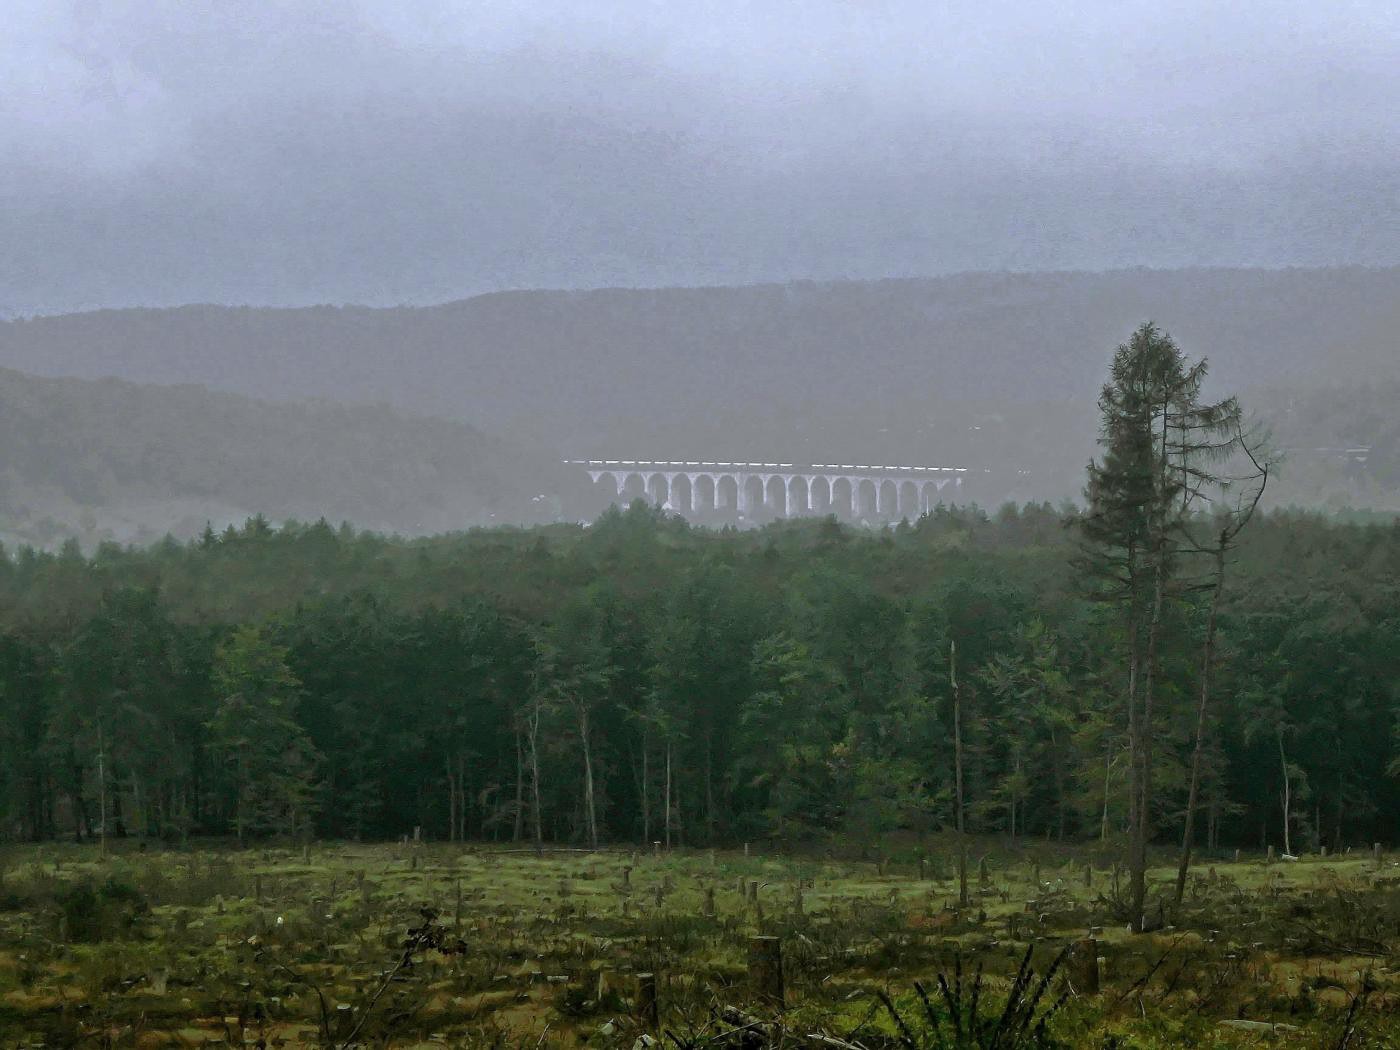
<point x="108" y="459"/>
<point x="997" y="372"/>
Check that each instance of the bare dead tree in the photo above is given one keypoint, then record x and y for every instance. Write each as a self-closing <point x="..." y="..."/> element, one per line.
<point x="1231" y="524"/>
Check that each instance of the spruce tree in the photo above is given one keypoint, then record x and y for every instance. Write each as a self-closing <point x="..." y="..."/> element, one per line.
<point x="269" y="758"/>
<point x="1159" y="441"/>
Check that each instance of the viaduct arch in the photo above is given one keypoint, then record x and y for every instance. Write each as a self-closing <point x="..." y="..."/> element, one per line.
<point x="789" y="490"/>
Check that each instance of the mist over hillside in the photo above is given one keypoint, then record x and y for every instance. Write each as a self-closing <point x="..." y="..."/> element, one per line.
<point x="114" y="460"/>
<point x="993" y="371"/>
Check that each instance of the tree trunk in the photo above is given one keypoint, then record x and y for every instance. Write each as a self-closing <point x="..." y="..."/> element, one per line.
<point x="646" y="786"/>
<point x="140" y="808"/>
<point x="1107" y="781"/>
<point x="518" y="831"/>
<point x="590" y="809"/>
<point x="451" y="801"/>
<point x="1337" y="828"/>
<point x="1134" y="746"/>
<point x="666" y="815"/>
<point x="1144" y="814"/>
<point x="102" y="789"/>
<point x="82" y="818"/>
<point x="1287" y="795"/>
<point x="1207" y="663"/>
<point x="709" y="790"/>
<point x="533" y="738"/>
<point x="1142" y="831"/>
<point x="238" y="802"/>
<point x="464" y="795"/>
<point x="958" y="771"/>
<point x="1213" y="820"/>
<point x="1016" y="779"/>
<point x="1061" y="802"/>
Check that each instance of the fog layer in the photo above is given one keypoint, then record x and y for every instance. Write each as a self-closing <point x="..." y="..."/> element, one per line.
<point x="160" y="152"/>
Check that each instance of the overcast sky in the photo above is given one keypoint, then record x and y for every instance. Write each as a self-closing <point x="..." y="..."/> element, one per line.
<point x="385" y="151"/>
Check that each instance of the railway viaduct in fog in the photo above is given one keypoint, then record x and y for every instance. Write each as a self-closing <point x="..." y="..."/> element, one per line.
<point x="749" y="490"/>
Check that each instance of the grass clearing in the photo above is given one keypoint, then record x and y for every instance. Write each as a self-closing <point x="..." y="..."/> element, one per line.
<point x="306" y="947"/>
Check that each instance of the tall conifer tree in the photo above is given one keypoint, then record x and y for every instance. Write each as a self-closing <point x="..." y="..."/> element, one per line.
<point x="1159" y="440"/>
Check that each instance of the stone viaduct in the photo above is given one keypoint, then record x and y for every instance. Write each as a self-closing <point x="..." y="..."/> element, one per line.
<point x="777" y="489"/>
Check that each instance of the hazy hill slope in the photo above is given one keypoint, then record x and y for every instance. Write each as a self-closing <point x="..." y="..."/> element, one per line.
<point x="1340" y="445"/>
<point x="877" y="368"/>
<point x="114" y="459"/>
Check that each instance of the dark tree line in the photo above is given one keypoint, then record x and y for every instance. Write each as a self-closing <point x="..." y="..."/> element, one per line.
<point x="642" y="680"/>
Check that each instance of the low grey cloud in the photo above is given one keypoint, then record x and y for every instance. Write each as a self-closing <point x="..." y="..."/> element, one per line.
<point x="285" y="152"/>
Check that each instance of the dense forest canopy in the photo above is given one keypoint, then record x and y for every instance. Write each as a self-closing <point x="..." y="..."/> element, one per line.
<point x="692" y="685"/>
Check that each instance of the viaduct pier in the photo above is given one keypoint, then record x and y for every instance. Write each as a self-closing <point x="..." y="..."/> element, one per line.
<point x="751" y="490"/>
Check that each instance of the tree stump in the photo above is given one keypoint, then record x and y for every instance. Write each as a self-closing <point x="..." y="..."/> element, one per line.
<point x="648" y="1009"/>
<point x="766" y="970"/>
<point x="753" y="892"/>
<point x="1083" y="966"/>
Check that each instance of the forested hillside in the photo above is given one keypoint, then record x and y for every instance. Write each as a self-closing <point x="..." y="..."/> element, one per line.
<point x="997" y="372"/>
<point x="899" y="368"/>
<point x="97" y="459"/>
<point x="109" y="460"/>
<point x="789" y="682"/>
<point x="1340" y="444"/>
